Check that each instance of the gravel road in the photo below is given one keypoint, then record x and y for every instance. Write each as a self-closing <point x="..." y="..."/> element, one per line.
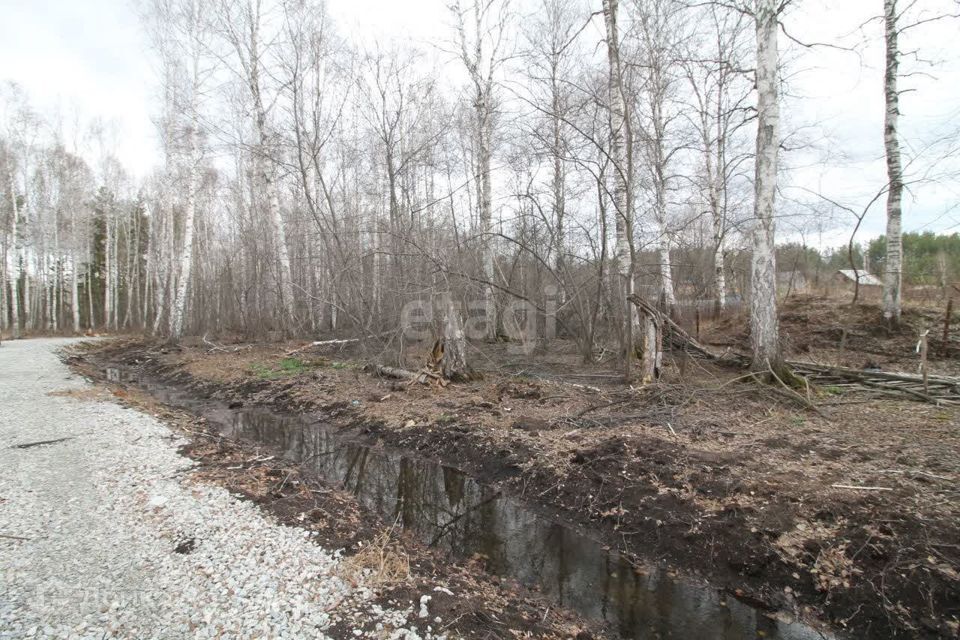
<point x="102" y="536"/>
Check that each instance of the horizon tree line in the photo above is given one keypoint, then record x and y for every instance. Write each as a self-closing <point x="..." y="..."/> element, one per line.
<point x="565" y="153"/>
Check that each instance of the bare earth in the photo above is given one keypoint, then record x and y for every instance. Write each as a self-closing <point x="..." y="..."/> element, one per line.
<point x="849" y="515"/>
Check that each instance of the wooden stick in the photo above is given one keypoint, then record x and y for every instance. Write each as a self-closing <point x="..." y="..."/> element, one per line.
<point x="923" y="360"/>
<point x="946" y="328"/>
<point x="848" y="486"/>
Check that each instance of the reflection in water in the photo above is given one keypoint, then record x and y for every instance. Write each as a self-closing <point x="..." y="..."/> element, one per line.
<point x="454" y="512"/>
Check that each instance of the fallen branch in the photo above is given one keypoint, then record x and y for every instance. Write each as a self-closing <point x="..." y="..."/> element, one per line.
<point x="423" y="376"/>
<point x="322" y="343"/>
<point x="855" y="488"/>
<point x="40" y="443"/>
<point x="337" y="342"/>
<point x="214" y="346"/>
<point x="796" y="396"/>
<point x="9" y="537"/>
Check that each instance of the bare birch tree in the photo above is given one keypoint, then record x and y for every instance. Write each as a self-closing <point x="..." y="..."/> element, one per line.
<point x="621" y="155"/>
<point x="893" y="265"/>
<point x="764" y="322"/>
<point x="481" y="49"/>
<point x="719" y="95"/>
<point x="183" y="41"/>
<point x="661" y="32"/>
<point x="242" y="24"/>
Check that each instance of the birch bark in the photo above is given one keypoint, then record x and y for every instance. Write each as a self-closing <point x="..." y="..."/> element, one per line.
<point x="179" y="307"/>
<point x="250" y="56"/>
<point x="893" y="269"/>
<point x="716" y="227"/>
<point x="186" y="253"/>
<point x="75" y="291"/>
<point x="765" y="339"/>
<point x="481" y="65"/>
<point x="658" y="97"/>
<point x="621" y="156"/>
<point x="13" y="268"/>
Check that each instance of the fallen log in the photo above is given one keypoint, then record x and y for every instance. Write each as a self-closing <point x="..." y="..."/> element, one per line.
<point x="424" y="376"/>
<point x="935" y="389"/>
<point x="341" y="342"/>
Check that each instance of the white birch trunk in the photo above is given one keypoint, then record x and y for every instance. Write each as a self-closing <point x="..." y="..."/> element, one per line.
<point x="57" y="270"/>
<point x="115" y="275"/>
<point x="893" y="269"/>
<point x="660" y="191"/>
<point x="108" y="274"/>
<point x="716" y="228"/>
<point x="454" y="364"/>
<point x="473" y="57"/>
<point x="484" y="135"/>
<point x="621" y="156"/>
<point x="620" y="188"/>
<point x="75" y="291"/>
<point x="13" y="270"/>
<point x="4" y="308"/>
<point x="91" y="319"/>
<point x="559" y="190"/>
<point x="666" y="273"/>
<point x="24" y="265"/>
<point x="148" y="267"/>
<point x="765" y="339"/>
<point x="280" y="235"/>
<point x="186" y="256"/>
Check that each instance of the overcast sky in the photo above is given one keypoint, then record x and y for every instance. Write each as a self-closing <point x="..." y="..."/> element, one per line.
<point x="91" y="58"/>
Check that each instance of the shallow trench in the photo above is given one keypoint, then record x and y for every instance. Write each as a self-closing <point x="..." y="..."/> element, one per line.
<point x="446" y="508"/>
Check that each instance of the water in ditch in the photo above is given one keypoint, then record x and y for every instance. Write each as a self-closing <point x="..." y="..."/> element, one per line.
<point x="448" y="509"/>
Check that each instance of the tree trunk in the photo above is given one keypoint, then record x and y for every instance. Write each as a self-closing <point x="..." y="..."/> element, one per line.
<point x="186" y="255"/>
<point x="485" y="194"/>
<point x="75" y="291"/>
<point x="660" y="190"/>
<point x="559" y="191"/>
<point x="765" y="338"/>
<point x="91" y="320"/>
<point x="13" y="271"/>
<point x="716" y="223"/>
<point x="454" y="361"/>
<point x="621" y="156"/>
<point x="893" y="269"/>
<point x="108" y="274"/>
<point x="651" y="349"/>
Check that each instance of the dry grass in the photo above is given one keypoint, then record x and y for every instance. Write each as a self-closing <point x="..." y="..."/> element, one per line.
<point x="90" y="394"/>
<point x="381" y="562"/>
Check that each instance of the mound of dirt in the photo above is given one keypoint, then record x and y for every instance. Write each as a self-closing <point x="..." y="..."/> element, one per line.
<point x="825" y="330"/>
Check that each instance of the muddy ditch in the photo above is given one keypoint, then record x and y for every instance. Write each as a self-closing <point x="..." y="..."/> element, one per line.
<point x="709" y="480"/>
<point x="477" y="512"/>
<point x="464" y="600"/>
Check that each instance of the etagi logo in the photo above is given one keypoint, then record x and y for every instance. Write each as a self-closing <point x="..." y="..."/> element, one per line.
<point x="56" y="595"/>
<point x="521" y="320"/>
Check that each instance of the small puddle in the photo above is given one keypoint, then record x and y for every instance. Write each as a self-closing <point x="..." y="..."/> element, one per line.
<point x="447" y="508"/>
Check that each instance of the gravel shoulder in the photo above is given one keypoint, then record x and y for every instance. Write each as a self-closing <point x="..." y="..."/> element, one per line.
<point x="101" y="535"/>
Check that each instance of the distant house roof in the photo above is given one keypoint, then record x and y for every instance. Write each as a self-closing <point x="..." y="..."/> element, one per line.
<point x="865" y="278"/>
